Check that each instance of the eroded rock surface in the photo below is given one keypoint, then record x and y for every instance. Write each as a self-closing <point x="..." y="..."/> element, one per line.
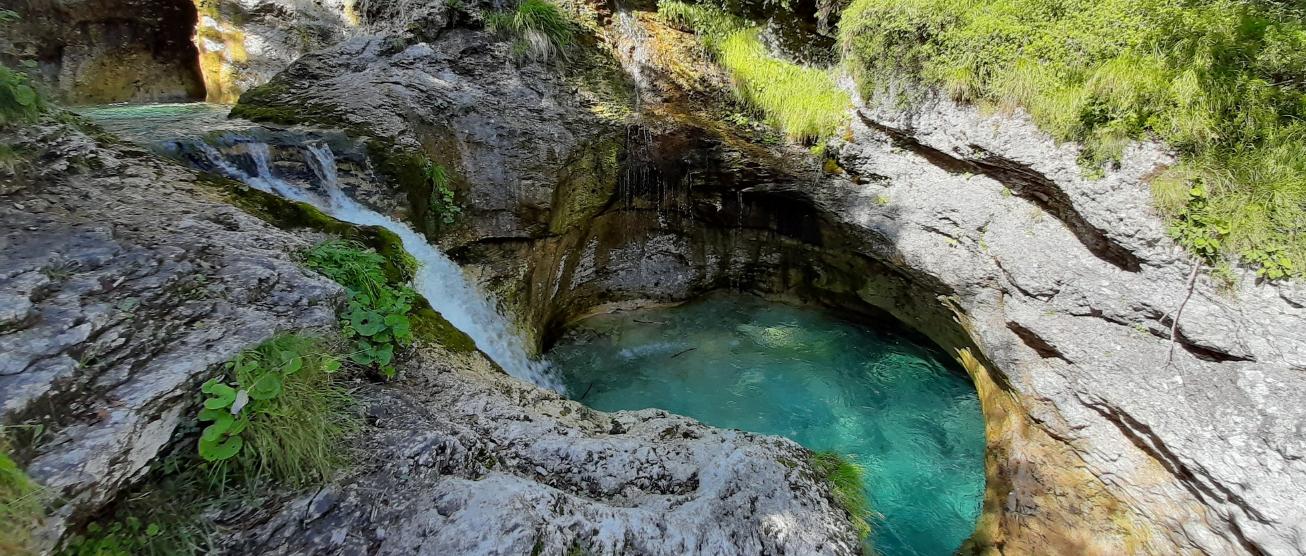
<point x="244" y="43"/>
<point x="89" y="52"/>
<point x="126" y="281"/>
<point x="1069" y="286"/>
<point x="978" y="230"/>
<point x="461" y="459"/>
<point x="129" y="281"/>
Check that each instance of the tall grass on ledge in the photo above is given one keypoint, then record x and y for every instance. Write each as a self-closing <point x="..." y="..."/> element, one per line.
<point x="538" y="29"/>
<point x="1221" y="81"/>
<point x="846" y="479"/>
<point x="804" y="102"/>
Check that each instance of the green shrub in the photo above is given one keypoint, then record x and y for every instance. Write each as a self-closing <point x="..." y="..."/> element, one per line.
<point x="277" y="412"/>
<point x="1222" y="81"/>
<point x="804" y="102"/>
<point x="19" y="101"/>
<point x="442" y="205"/>
<point x="849" y="489"/>
<point x="21" y="506"/>
<point x="349" y="264"/>
<point x="377" y="320"/>
<point x="537" y="28"/>
<point x="129" y="537"/>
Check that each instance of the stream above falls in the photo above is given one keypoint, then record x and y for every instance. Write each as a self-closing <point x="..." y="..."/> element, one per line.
<point x="201" y="135"/>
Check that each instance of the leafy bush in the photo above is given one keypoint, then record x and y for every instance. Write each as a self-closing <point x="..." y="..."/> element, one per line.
<point x="442" y="204"/>
<point x="277" y="412"/>
<point x="849" y="490"/>
<point x="804" y="102"/>
<point x="129" y="537"/>
<point x="377" y="320"/>
<point x="19" y="101"/>
<point x="538" y="30"/>
<point x="1222" y="81"/>
<point x="21" y="506"/>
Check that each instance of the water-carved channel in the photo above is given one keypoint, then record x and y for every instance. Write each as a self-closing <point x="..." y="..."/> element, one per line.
<point x="894" y="403"/>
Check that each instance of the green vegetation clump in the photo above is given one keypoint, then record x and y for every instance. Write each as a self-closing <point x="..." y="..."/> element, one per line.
<point x="1222" y="81"/>
<point x="130" y="536"/>
<point x="277" y="412"/>
<point x="19" y="101"/>
<point x="537" y="28"/>
<point x="846" y="478"/>
<point x="377" y="320"/>
<point x="443" y="207"/>
<point x="21" y="506"/>
<point x="804" y="102"/>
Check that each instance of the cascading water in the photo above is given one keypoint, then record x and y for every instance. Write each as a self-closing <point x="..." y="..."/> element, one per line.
<point x="438" y="279"/>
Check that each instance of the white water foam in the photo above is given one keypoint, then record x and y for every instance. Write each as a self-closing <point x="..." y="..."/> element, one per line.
<point x="438" y="279"/>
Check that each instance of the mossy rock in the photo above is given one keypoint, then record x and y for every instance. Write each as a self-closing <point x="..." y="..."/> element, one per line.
<point x="289" y="215"/>
<point x="586" y="185"/>
<point x="406" y="171"/>
<point x="273" y="103"/>
<point x="432" y="326"/>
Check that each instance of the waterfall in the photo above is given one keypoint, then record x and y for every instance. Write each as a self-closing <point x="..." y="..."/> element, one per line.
<point x="438" y="279"/>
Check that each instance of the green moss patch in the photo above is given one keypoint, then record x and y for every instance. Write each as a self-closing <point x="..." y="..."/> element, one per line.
<point x="432" y="326"/>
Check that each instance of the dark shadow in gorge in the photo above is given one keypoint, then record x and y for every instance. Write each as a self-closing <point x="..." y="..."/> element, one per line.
<point x="695" y="210"/>
<point x="110" y="50"/>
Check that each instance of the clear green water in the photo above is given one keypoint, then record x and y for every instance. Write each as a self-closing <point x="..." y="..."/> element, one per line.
<point x="151" y="123"/>
<point x="901" y="409"/>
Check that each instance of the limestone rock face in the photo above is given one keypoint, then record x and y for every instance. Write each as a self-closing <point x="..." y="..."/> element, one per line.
<point x="108" y="51"/>
<point x="461" y="459"/>
<point x="128" y="281"/>
<point x="244" y="43"/>
<point x="979" y="231"/>
<point x="1070" y="286"/>
<point x="125" y="283"/>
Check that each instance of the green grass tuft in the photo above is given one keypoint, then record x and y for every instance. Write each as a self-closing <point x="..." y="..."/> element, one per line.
<point x="21" y="506"/>
<point x="846" y="478"/>
<point x="1222" y="81"/>
<point x="538" y="29"/>
<point x="292" y="436"/>
<point x="804" y="102"/>
<point x="296" y="438"/>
